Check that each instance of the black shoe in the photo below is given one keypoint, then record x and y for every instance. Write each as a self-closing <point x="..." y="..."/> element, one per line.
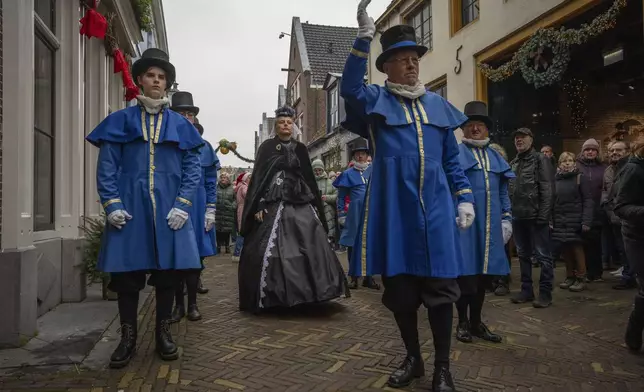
<point x="483" y="332"/>
<point x="178" y="313"/>
<point x="193" y="313"/>
<point x="126" y="348"/>
<point x="201" y="289"/>
<point x="522" y="298"/>
<point x="544" y="301"/>
<point x="502" y="290"/>
<point x="463" y="332"/>
<point x="442" y="381"/>
<point x="635" y="327"/>
<point x="166" y="347"/>
<point x="227" y="249"/>
<point x="410" y="369"/>
<point x="370" y="283"/>
<point x="354" y="283"/>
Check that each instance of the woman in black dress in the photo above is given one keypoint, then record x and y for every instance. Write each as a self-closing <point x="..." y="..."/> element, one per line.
<point x="287" y="259"/>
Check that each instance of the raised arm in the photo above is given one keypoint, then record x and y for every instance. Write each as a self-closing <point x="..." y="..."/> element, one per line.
<point x="109" y="161"/>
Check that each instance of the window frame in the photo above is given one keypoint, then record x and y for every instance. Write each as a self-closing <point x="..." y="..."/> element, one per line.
<point x="295" y="90"/>
<point x="456" y="14"/>
<point x="438" y="85"/>
<point x="333" y="108"/>
<point x="49" y="39"/>
<point x="416" y="11"/>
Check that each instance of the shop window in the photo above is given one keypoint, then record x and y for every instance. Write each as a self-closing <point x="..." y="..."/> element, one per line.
<point x="421" y="21"/>
<point x="45" y="47"/>
<point x="463" y="12"/>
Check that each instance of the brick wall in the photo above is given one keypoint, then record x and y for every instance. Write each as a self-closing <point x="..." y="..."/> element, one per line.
<point x="1" y="37"/>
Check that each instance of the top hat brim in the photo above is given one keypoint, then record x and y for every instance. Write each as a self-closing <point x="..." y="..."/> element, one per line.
<point x="185" y="108"/>
<point x="479" y="117"/>
<point x="141" y="65"/>
<point x="397" y="47"/>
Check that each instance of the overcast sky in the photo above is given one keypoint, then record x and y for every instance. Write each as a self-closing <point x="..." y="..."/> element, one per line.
<point x="228" y="55"/>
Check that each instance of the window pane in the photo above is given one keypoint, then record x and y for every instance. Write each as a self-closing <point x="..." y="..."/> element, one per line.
<point x="44" y="86"/>
<point x="45" y="10"/>
<point x="43" y="182"/>
<point x="426" y="12"/>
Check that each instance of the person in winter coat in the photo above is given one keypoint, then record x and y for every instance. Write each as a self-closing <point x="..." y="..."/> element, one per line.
<point x="629" y="206"/>
<point x="590" y="165"/>
<point x="241" y="188"/>
<point x="329" y="196"/>
<point x="226" y="212"/>
<point x="572" y="216"/>
<point x="618" y="153"/>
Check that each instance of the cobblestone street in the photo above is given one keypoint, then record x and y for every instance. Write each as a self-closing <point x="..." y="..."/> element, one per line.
<point x="353" y="344"/>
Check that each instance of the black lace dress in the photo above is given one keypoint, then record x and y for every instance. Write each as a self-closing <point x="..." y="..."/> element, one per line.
<point x="287" y="259"/>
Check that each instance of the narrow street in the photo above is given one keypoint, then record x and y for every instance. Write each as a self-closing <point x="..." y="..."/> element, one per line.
<point x="576" y="345"/>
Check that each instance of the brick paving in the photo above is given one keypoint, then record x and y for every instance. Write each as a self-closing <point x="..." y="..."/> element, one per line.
<point x="353" y="344"/>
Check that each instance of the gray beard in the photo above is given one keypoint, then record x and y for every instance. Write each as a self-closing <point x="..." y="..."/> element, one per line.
<point x="405" y="91"/>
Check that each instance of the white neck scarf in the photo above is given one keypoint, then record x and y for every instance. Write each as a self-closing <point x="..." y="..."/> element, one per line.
<point x="405" y="91"/>
<point x="360" y="166"/>
<point x="153" y="106"/>
<point x="477" y="143"/>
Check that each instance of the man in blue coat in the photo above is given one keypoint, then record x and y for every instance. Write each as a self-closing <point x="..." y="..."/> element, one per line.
<point x="409" y="229"/>
<point x="147" y="173"/>
<point x="482" y="244"/>
<point x="203" y="218"/>
<point x="353" y="183"/>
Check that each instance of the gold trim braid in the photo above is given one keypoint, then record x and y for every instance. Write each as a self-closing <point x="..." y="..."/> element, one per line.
<point x="359" y="53"/>
<point x="464" y="191"/>
<point x="110" y="202"/>
<point x="421" y="150"/>
<point x="483" y="160"/>
<point x="184" y="201"/>
<point x="365" y="222"/>
<point x="152" y="138"/>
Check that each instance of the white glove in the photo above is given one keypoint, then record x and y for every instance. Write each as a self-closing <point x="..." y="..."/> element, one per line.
<point x="342" y="220"/>
<point x="465" y="215"/>
<point x="210" y="218"/>
<point x="506" y="225"/>
<point x="177" y="218"/>
<point x="366" y="24"/>
<point x="118" y="218"/>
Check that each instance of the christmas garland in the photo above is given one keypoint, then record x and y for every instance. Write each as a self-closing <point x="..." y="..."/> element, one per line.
<point x="225" y="147"/>
<point x="143" y="14"/>
<point x="528" y="59"/>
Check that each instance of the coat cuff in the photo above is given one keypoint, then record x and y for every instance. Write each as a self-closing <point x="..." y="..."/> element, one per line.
<point x="361" y="48"/>
<point x="506" y="216"/>
<point x="464" y="196"/>
<point x="112" y="205"/>
<point x="182" y="204"/>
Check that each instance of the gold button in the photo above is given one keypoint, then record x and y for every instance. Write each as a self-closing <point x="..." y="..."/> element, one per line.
<point x="422" y="151"/>
<point x="153" y="167"/>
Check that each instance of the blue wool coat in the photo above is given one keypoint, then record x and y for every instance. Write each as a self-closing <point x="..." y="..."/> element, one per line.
<point x="482" y="244"/>
<point x="351" y="182"/>
<point x="206" y="197"/>
<point x="408" y="224"/>
<point x="147" y="165"/>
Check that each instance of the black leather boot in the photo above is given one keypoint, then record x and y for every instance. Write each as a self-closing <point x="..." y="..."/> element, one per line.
<point x="463" y="333"/>
<point x="193" y="313"/>
<point x="354" y="283"/>
<point x="635" y="327"/>
<point x="483" y="332"/>
<point x="370" y="283"/>
<point x="442" y="381"/>
<point x="166" y="347"/>
<point x="178" y="313"/>
<point x="201" y="289"/>
<point x="408" y="370"/>
<point x="126" y="348"/>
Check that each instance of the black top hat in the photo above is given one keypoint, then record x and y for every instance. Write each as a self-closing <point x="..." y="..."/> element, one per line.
<point x="360" y="144"/>
<point x="395" y="39"/>
<point x="477" y="111"/>
<point x="182" y="102"/>
<point x="154" y="57"/>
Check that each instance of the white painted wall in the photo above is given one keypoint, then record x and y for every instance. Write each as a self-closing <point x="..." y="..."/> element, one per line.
<point x="497" y="19"/>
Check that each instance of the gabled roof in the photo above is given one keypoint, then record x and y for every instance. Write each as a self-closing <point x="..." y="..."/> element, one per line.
<point x="323" y="49"/>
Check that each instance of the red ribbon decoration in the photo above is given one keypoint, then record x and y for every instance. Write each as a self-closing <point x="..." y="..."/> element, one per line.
<point x="93" y="24"/>
<point x="121" y="65"/>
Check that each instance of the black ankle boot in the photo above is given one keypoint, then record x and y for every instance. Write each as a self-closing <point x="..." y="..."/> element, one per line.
<point x="193" y="313"/>
<point x="354" y="283"/>
<point x="201" y="289"/>
<point x="635" y="327"/>
<point x="442" y="381"/>
<point x="126" y="348"/>
<point x="463" y="333"/>
<point x="370" y="283"/>
<point x="410" y="369"/>
<point x="483" y="332"/>
<point x="178" y="313"/>
<point x="166" y="347"/>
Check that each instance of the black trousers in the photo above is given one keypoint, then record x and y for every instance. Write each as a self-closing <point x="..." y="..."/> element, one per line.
<point x="592" y="241"/>
<point x="129" y="284"/>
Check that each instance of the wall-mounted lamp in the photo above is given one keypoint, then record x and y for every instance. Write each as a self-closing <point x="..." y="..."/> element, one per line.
<point x="282" y="34"/>
<point x="613" y="56"/>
